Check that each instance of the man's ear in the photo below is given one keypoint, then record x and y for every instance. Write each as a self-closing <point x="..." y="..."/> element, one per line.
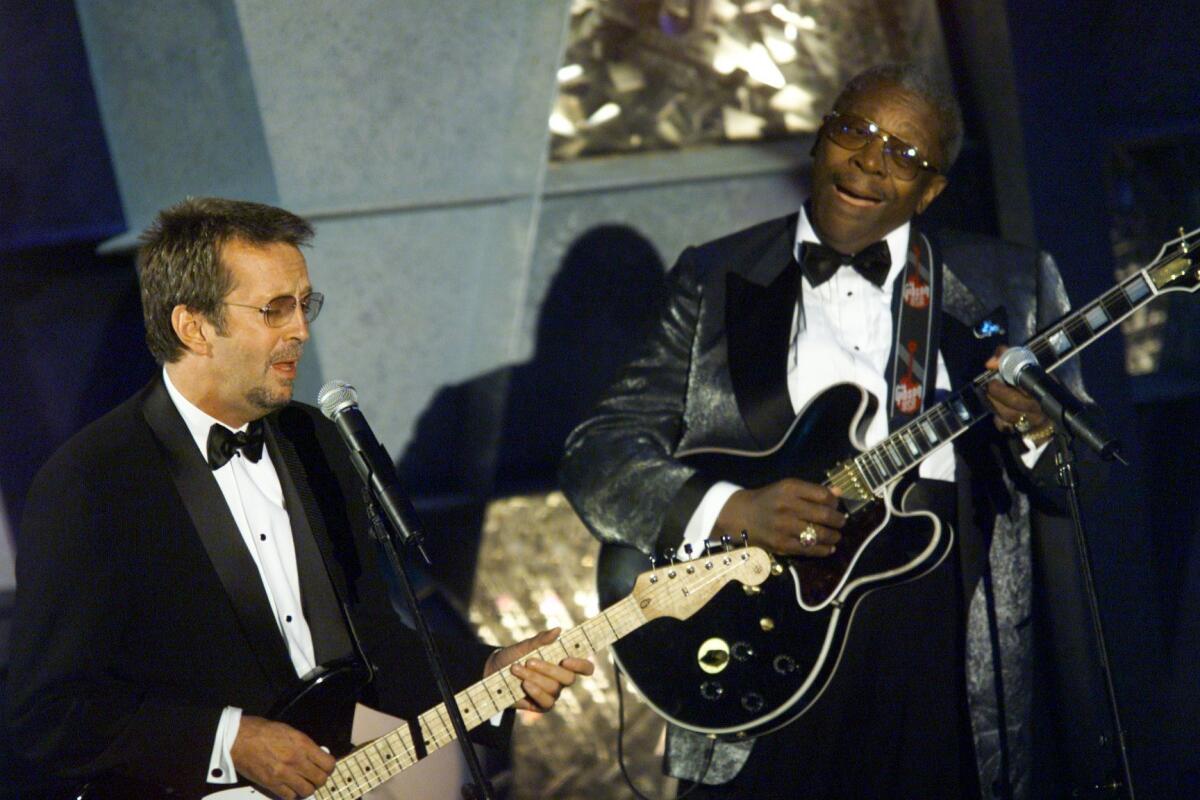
<point x="932" y="189"/>
<point x="193" y="329"/>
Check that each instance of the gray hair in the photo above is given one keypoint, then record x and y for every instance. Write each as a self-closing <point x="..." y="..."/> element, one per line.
<point x="918" y="81"/>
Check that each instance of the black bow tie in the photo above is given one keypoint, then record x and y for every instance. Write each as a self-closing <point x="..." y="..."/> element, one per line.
<point x="223" y="443"/>
<point x="820" y="262"/>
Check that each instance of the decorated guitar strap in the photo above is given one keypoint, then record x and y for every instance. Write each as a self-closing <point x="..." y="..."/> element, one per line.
<point x="916" y="306"/>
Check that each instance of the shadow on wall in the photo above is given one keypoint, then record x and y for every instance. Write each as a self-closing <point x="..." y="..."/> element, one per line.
<point x="502" y="432"/>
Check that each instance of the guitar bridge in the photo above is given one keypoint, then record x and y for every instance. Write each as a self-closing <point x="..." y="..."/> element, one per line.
<point x="855" y="491"/>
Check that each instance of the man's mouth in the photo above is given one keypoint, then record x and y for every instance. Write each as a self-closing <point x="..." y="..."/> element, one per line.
<point x="857" y="197"/>
<point x="285" y="368"/>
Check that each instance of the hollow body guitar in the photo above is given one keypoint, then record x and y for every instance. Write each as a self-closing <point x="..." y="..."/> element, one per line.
<point x="751" y="662"/>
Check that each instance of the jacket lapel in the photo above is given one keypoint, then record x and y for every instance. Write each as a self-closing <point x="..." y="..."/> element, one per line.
<point x="321" y="582"/>
<point x="219" y="534"/>
<point x="758" y="318"/>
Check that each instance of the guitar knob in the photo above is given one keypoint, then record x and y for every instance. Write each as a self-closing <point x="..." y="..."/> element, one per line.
<point x="742" y="651"/>
<point x="711" y="690"/>
<point x="752" y="702"/>
<point x="751" y="590"/>
<point x="784" y="665"/>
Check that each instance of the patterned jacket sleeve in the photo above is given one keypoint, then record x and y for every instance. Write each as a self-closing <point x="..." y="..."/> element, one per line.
<point x="618" y="470"/>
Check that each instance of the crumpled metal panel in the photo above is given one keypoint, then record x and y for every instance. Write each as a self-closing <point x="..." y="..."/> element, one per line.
<point x="536" y="570"/>
<point x="655" y="74"/>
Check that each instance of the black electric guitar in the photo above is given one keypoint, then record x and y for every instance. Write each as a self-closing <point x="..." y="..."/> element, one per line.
<point x="749" y="663"/>
<point x="323" y="706"/>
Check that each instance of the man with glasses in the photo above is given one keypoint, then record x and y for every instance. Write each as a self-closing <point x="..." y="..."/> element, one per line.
<point x="760" y="323"/>
<point x="187" y="558"/>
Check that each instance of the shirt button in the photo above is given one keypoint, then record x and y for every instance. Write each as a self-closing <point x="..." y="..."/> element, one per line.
<point x="289" y="617"/>
<point x="218" y="772"/>
<point x="262" y="536"/>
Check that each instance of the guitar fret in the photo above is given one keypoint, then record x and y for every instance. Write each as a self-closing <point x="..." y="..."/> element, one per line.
<point x="1059" y="343"/>
<point x="481" y="698"/>
<point x="1116" y="304"/>
<point x="866" y="470"/>
<point x="881" y="468"/>
<point x="1097" y="318"/>
<point x="1136" y="289"/>
<point x="1079" y="331"/>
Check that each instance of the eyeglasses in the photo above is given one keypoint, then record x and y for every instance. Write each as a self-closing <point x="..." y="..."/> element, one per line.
<point x="279" y="311"/>
<point x="852" y="132"/>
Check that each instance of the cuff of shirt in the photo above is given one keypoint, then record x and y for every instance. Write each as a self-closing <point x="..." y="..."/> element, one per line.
<point x="704" y="518"/>
<point x="220" y="765"/>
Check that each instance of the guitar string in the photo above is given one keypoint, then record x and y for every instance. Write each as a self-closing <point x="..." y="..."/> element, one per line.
<point x="625" y="612"/>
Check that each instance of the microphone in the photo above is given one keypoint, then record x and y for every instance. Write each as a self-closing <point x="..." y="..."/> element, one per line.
<point x="339" y="402"/>
<point x="1019" y="367"/>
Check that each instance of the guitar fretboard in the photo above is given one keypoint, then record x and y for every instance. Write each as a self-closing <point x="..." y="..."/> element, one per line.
<point x="907" y="446"/>
<point x="372" y="764"/>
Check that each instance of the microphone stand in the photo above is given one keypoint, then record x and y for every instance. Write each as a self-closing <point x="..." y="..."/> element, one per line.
<point x="387" y="532"/>
<point x="1064" y="459"/>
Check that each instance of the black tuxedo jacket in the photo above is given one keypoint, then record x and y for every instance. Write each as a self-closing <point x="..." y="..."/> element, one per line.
<point x="140" y="614"/>
<point x="713" y="373"/>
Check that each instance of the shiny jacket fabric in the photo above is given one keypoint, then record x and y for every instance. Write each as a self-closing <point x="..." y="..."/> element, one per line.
<point x="713" y="374"/>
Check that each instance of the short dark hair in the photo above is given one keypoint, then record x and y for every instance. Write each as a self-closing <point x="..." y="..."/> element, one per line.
<point x="916" y="80"/>
<point x="179" y="260"/>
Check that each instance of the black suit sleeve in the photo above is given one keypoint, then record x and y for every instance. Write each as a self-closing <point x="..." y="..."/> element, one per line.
<point x="65" y="710"/>
<point x="618" y="470"/>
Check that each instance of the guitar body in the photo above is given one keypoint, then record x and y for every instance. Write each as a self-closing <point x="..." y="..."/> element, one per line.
<point x="322" y="706"/>
<point x="747" y="664"/>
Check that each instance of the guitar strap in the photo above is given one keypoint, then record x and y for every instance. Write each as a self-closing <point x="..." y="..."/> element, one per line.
<point x="911" y="374"/>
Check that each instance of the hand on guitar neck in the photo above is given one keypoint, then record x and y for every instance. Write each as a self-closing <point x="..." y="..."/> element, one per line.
<point x="778" y="515"/>
<point x="541" y="680"/>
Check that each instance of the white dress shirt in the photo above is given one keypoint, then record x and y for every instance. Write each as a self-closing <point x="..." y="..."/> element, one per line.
<point x="255" y="498"/>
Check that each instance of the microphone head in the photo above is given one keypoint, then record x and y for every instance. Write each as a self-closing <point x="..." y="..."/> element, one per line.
<point x="336" y="396"/>
<point x="1013" y="361"/>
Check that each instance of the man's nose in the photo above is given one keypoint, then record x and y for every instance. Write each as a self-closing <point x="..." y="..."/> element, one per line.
<point x="871" y="159"/>
<point x="297" y="327"/>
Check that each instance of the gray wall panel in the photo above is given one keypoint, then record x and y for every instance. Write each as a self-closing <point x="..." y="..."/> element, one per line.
<point x="380" y="104"/>
<point x="177" y="102"/>
<point x="671" y="216"/>
<point x="414" y="301"/>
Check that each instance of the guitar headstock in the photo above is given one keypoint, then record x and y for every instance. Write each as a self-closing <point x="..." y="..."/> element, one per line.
<point x="1177" y="265"/>
<point x="682" y="589"/>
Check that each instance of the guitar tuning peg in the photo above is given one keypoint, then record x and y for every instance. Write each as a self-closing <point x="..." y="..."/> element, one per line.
<point x="745" y="539"/>
<point x="726" y="541"/>
<point x="707" y="547"/>
<point x="687" y="548"/>
<point x="670" y="554"/>
<point x="1183" y="235"/>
